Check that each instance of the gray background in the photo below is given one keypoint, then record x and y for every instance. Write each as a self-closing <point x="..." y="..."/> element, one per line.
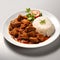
<point x="11" y="52"/>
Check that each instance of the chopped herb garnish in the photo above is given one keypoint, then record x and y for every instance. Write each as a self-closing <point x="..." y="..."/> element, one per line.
<point x="28" y="10"/>
<point x="30" y="17"/>
<point x="42" y="22"/>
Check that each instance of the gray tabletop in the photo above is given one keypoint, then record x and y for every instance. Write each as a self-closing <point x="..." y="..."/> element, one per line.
<point x="11" y="52"/>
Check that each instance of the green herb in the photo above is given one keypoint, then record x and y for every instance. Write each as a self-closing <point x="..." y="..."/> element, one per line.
<point x="30" y="16"/>
<point x="28" y="10"/>
<point x="42" y="22"/>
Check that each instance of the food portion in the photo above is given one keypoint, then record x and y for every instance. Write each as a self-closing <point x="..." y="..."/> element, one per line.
<point x="36" y="13"/>
<point x="32" y="14"/>
<point x="23" y="31"/>
<point x="31" y="28"/>
<point x="44" y="26"/>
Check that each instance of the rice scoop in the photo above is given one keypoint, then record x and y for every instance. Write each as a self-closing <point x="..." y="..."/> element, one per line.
<point x="44" y="26"/>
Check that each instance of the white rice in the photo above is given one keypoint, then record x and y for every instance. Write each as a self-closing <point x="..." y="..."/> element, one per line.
<point x="46" y="29"/>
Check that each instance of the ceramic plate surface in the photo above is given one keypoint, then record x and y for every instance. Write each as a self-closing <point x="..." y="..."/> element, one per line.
<point x="53" y="19"/>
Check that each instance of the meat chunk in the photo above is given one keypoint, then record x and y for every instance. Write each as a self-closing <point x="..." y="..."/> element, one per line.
<point x="14" y="32"/>
<point x="22" y="26"/>
<point x="41" y="37"/>
<point x="32" y="34"/>
<point x="23" y="36"/>
<point x="15" y="23"/>
<point x="30" y="28"/>
<point x="20" y="17"/>
<point x="34" y="39"/>
<point x="30" y="24"/>
<point x="10" y="28"/>
<point x="20" y="30"/>
<point x="25" y="22"/>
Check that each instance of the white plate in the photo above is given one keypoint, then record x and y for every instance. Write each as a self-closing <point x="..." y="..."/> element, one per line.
<point x="53" y="19"/>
